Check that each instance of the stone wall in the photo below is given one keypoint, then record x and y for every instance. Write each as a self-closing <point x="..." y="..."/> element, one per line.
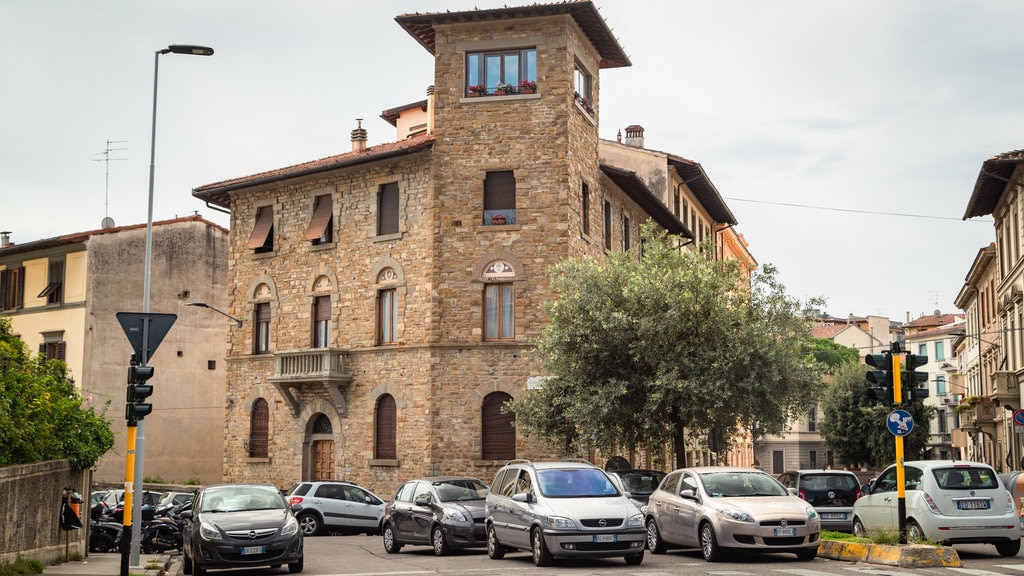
<point x="30" y="502"/>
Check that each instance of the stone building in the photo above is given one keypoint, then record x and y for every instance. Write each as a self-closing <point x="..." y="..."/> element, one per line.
<point x="62" y="295"/>
<point x="391" y="293"/>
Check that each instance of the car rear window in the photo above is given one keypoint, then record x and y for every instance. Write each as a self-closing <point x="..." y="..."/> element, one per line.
<point x="965" y="478"/>
<point x="823" y="482"/>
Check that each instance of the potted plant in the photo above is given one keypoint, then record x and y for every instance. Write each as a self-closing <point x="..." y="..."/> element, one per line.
<point x="498" y="219"/>
<point x="527" y="87"/>
<point x="501" y="89"/>
<point x="476" y="90"/>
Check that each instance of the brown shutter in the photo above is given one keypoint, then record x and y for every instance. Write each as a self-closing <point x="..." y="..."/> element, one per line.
<point x="499" y="435"/>
<point x="387" y="209"/>
<point x="264" y="222"/>
<point x="321" y="217"/>
<point x="259" y="429"/>
<point x="4" y="280"/>
<point x="386" y="428"/>
<point x="500" y="191"/>
<point x="60" y="350"/>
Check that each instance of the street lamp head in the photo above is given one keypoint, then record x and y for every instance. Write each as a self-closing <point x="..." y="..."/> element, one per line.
<point x="200" y="304"/>
<point x="188" y="49"/>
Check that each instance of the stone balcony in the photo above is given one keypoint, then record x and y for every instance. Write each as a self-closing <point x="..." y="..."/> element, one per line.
<point x="314" y="367"/>
<point x="1005" y="389"/>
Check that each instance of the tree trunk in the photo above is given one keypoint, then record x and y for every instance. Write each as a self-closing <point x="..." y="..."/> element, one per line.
<point x="679" y="445"/>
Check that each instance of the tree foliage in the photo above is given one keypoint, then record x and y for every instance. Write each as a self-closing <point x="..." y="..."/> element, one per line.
<point x="854" y="425"/>
<point x="41" y="411"/>
<point x="832" y="354"/>
<point x="639" y="348"/>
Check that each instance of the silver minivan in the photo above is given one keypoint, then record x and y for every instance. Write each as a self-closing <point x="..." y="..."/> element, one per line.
<point x="568" y="509"/>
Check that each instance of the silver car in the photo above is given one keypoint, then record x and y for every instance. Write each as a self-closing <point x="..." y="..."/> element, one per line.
<point x="561" y="510"/>
<point x="717" y="508"/>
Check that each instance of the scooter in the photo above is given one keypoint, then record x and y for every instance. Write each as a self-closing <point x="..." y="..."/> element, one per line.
<point x="104" y="531"/>
<point x="163" y="532"/>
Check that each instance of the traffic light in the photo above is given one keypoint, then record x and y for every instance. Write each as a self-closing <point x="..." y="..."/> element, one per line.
<point x="911" y="379"/>
<point x="136" y="409"/>
<point x="880" y="379"/>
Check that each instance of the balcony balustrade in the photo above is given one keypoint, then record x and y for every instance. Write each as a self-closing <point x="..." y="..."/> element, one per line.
<point x="295" y="370"/>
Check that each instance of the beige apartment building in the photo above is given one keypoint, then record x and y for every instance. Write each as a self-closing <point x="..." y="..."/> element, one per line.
<point x="391" y="293"/>
<point x="62" y="295"/>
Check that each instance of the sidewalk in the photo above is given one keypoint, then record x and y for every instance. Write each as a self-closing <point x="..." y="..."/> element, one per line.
<point x="109" y="564"/>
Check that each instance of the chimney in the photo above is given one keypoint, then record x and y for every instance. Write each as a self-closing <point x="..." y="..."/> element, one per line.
<point x="618" y="136"/>
<point x="430" y="109"/>
<point x="359" y="137"/>
<point x="5" y="239"/>
<point x="635" y="136"/>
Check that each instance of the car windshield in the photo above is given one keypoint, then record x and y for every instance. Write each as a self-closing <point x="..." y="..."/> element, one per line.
<point x="240" y="498"/>
<point x="965" y="478"/>
<point x="641" y="481"/>
<point x="826" y="482"/>
<point x="460" y="489"/>
<point x="575" y="483"/>
<point x="729" y="484"/>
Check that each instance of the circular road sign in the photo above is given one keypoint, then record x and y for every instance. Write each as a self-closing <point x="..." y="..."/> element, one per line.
<point x="899" y="422"/>
<point x="1018" y="417"/>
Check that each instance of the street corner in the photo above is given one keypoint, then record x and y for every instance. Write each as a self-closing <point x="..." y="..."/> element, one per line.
<point x="904" y="556"/>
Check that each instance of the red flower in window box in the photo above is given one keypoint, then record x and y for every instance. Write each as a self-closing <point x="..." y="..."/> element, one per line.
<point x="527" y="87"/>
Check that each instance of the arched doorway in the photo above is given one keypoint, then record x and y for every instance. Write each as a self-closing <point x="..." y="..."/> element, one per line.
<point x="318" y="457"/>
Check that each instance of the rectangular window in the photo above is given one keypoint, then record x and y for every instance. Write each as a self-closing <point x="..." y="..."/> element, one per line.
<point x="583" y="85"/>
<point x="607" y="225"/>
<point x="500" y="198"/>
<point x="12" y="288"/>
<point x="499" y="323"/>
<point x="625" y="232"/>
<point x="940" y="352"/>
<point x="321" y="229"/>
<point x="812" y="420"/>
<point x="386" y="313"/>
<point x="586" y="209"/>
<point x="54" y="291"/>
<point x="387" y="209"/>
<point x="262" y="238"/>
<point x="940" y="384"/>
<point x="514" y="68"/>
<point x="261" y="329"/>
<point x="52" y="350"/>
<point x="812" y="456"/>
<point x="940" y="419"/>
<point x="675" y="204"/>
<point x="321" y="322"/>
<point x="922" y="349"/>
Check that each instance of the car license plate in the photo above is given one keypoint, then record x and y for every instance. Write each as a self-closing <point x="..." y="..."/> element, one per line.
<point x="833" y="516"/>
<point x="785" y="531"/>
<point x="973" y="504"/>
<point x="246" y="550"/>
<point x="605" y="538"/>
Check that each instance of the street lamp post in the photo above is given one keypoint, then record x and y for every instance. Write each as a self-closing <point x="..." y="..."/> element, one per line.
<point x="238" y="321"/>
<point x="140" y="436"/>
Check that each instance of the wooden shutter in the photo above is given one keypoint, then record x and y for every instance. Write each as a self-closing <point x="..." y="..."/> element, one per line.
<point x="321" y="218"/>
<point x="500" y="191"/>
<point x="386" y="431"/>
<point x="264" y="222"/>
<point x="259" y="428"/>
<point x="387" y="209"/>
<point x="499" y="435"/>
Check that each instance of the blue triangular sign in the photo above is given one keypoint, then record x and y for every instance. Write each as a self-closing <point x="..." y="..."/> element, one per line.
<point x="144" y="343"/>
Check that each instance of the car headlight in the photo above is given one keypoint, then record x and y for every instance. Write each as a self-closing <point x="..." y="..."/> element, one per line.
<point x="208" y="531"/>
<point x="736" y="514"/>
<point x="453" y="514"/>
<point x="811" y="513"/>
<point x="560" y="523"/>
<point x="291" y="526"/>
<point x="635" y="520"/>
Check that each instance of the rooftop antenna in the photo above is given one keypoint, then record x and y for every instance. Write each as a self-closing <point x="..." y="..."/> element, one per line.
<point x="935" y="296"/>
<point x="107" y="221"/>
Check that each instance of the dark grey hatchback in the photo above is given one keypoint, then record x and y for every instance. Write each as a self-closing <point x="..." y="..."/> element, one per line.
<point x="444" y="512"/>
<point x="239" y="526"/>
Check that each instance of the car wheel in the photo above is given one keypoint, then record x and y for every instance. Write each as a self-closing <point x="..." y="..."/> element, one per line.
<point x="186" y="563"/>
<point x="634" y="559"/>
<point x="808" y="554"/>
<point x="1010" y="548"/>
<point x="858" y="528"/>
<point x="391" y="545"/>
<point x="709" y="544"/>
<point x="541" y="554"/>
<point x="654" y="542"/>
<point x="915" y="534"/>
<point x="295" y="567"/>
<point x="310" y="524"/>
<point x="495" y="551"/>
<point x="438" y="541"/>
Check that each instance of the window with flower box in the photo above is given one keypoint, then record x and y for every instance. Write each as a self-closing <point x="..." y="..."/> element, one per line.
<point x="499" y="198"/>
<point x="583" y="84"/>
<point x="506" y="71"/>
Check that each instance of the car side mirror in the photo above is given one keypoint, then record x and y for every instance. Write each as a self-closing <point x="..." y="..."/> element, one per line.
<point x="523" y="497"/>
<point x="793" y="491"/>
<point x="688" y="494"/>
<point x="295" y="507"/>
<point x="865" y="488"/>
<point x="422" y="502"/>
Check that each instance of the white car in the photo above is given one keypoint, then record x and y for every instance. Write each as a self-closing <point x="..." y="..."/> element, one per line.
<point x="947" y="501"/>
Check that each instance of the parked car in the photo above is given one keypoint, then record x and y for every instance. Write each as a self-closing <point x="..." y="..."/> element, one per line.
<point x="445" y="512"/>
<point x="336" y="507"/>
<point x="172" y="499"/>
<point x="638" y="483"/>
<point x="561" y="510"/>
<point x="831" y="492"/>
<point x="947" y="501"/>
<point x="717" y="508"/>
<point x="239" y="526"/>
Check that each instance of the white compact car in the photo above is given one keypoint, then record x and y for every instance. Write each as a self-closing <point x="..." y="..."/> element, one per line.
<point x="947" y="501"/>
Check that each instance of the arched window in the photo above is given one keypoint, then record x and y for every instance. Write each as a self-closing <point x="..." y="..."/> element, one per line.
<point x="385" y="433"/>
<point x="498" y="433"/>
<point x="259" y="429"/>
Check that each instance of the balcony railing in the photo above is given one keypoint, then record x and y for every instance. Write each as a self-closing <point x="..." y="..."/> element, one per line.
<point x="298" y="369"/>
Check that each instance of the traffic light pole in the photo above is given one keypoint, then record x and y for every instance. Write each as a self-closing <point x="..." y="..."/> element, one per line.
<point x="126" y="518"/>
<point x="901" y="483"/>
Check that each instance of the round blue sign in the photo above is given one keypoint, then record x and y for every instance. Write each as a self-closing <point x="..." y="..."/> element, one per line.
<point x="899" y="422"/>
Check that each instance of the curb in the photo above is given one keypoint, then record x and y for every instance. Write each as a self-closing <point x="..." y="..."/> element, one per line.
<point x="904" y="556"/>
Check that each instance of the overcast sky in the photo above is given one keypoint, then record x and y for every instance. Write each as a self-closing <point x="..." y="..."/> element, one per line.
<point x="806" y="115"/>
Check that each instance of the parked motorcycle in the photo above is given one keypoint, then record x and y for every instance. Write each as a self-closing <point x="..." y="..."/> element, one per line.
<point x="104" y="530"/>
<point x="163" y="532"/>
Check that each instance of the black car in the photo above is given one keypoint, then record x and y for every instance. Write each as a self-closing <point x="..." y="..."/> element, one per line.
<point x="445" y="512"/>
<point x="238" y="526"/>
<point x="639" y="483"/>
<point x="831" y="492"/>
